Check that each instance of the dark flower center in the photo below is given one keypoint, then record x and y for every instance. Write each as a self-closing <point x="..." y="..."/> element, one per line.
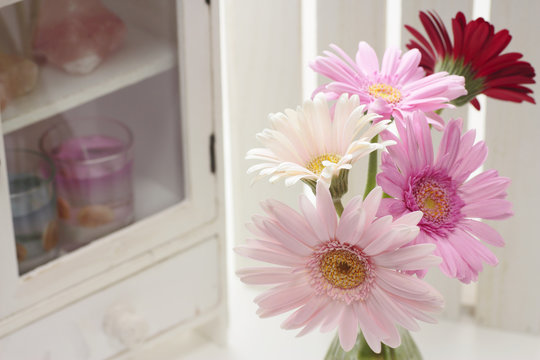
<point x="343" y="268"/>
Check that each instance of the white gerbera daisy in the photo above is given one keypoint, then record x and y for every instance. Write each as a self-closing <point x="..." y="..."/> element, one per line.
<point x="310" y="144"/>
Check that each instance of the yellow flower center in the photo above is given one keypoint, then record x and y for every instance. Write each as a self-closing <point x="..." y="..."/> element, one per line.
<point x="433" y="201"/>
<point x="343" y="269"/>
<point x="316" y="165"/>
<point x="386" y="92"/>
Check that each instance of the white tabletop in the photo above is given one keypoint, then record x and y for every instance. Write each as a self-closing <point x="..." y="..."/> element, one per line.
<point x="251" y="338"/>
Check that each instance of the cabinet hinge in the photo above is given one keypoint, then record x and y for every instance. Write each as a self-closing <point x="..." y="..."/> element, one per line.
<point x="213" y="153"/>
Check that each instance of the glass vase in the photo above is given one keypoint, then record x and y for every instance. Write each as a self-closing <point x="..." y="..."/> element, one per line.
<point x="361" y="350"/>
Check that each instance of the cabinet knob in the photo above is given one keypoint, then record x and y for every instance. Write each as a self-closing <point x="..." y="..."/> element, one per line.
<point x="124" y="324"/>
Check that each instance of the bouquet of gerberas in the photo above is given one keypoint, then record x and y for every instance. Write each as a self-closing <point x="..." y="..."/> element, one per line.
<point x="358" y="267"/>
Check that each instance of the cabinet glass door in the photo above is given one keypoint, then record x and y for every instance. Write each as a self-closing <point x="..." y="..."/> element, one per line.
<point x="106" y="123"/>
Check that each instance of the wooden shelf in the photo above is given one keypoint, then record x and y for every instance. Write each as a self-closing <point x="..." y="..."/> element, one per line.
<point x="142" y="56"/>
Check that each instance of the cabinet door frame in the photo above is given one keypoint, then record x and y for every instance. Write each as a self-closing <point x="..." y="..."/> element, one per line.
<point x="22" y="299"/>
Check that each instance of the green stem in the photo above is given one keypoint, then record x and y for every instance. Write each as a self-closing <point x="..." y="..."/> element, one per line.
<point x="371" y="181"/>
<point x="339" y="206"/>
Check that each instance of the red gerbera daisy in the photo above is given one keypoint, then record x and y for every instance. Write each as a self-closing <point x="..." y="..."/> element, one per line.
<point x="475" y="54"/>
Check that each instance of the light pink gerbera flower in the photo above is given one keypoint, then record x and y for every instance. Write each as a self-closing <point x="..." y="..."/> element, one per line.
<point x="397" y="88"/>
<point x="344" y="273"/>
<point x="439" y="187"/>
<point x="311" y="144"/>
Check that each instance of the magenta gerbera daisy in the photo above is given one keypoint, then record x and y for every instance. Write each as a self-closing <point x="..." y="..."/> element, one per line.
<point x="346" y="273"/>
<point x="440" y="187"/>
<point x="474" y="53"/>
<point x="397" y="88"/>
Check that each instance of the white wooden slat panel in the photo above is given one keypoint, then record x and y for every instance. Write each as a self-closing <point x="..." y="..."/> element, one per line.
<point x="263" y="55"/>
<point x="509" y="295"/>
<point x="449" y="288"/>
<point x="346" y="23"/>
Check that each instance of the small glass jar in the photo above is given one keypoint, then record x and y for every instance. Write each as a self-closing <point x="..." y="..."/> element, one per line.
<point x="94" y="161"/>
<point x="33" y="207"/>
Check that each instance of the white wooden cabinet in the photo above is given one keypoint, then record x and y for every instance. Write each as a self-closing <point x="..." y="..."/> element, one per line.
<point x="166" y="269"/>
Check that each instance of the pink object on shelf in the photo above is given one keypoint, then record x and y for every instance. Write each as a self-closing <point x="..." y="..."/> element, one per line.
<point x="79" y="152"/>
<point x="94" y="165"/>
<point x="77" y="35"/>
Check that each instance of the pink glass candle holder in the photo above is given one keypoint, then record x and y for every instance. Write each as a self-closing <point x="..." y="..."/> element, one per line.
<point x="94" y="160"/>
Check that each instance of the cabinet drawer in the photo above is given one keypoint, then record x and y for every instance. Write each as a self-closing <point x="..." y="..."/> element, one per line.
<point x="177" y="290"/>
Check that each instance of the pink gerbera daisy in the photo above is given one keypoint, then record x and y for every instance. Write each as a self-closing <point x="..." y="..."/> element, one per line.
<point x="397" y="88"/>
<point x="344" y="273"/>
<point x="440" y="189"/>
